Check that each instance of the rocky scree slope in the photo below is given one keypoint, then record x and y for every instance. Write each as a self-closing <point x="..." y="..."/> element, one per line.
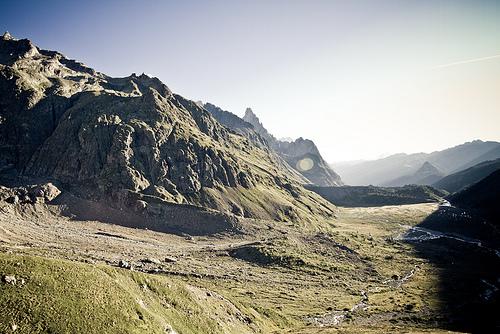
<point x="317" y="170"/>
<point x="132" y="143"/>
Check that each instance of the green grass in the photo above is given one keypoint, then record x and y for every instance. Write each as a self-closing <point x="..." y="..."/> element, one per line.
<point x="68" y="297"/>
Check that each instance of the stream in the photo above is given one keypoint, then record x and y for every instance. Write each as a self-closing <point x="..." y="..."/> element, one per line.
<point x="419" y="234"/>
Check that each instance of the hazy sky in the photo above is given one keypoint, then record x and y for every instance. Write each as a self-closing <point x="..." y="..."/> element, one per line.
<point x="360" y="78"/>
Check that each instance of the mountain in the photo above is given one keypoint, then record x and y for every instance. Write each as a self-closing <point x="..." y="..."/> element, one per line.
<point x="133" y="144"/>
<point x="302" y="154"/>
<point x="251" y="118"/>
<point x="427" y="174"/>
<point x="389" y="169"/>
<point x="482" y="197"/>
<point x="463" y="179"/>
<point x="453" y="159"/>
<point x="490" y="155"/>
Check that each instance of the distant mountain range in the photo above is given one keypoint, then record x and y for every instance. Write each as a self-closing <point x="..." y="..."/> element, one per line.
<point x="400" y="169"/>
<point x="301" y="154"/>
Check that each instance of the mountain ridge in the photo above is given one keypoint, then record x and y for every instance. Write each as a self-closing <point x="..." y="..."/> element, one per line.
<point x="460" y="180"/>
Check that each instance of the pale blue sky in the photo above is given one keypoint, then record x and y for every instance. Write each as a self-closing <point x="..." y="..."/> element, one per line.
<point x="360" y="78"/>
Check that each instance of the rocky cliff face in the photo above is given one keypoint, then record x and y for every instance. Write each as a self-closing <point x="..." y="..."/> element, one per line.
<point x="125" y="140"/>
<point x="301" y="154"/>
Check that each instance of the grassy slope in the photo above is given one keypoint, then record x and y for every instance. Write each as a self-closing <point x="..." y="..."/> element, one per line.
<point x="332" y="277"/>
<point x="68" y="297"/>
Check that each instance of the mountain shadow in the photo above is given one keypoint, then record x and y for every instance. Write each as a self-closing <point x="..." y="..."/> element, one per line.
<point x="465" y="250"/>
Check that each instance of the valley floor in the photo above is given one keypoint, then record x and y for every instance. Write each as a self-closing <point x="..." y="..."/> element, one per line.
<point x="356" y="273"/>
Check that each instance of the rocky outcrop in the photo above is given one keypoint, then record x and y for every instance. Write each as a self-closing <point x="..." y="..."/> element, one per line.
<point x="114" y="139"/>
<point x="29" y="194"/>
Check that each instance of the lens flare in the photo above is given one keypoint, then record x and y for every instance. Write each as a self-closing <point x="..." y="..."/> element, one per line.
<point x="305" y="164"/>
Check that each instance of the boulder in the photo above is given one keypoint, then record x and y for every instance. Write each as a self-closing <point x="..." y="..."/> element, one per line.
<point x="170" y="259"/>
<point x="151" y="260"/>
<point x="46" y="191"/>
<point x="124" y="264"/>
<point x="9" y="279"/>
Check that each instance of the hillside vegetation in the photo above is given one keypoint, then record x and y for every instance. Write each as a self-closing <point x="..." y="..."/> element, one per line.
<point x="352" y="196"/>
<point x="57" y="296"/>
<point x="351" y="274"/>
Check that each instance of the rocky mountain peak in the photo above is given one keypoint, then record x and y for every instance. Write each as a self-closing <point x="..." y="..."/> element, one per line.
<point x="250" y="114"/>
<point x="140" y="85"/>
<point x="428" y="168"/>
<point x="7" y="36"/>
<point x="12" y="49"/>
<point x="252" y="118"/>
<point x="299" y="146"/>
